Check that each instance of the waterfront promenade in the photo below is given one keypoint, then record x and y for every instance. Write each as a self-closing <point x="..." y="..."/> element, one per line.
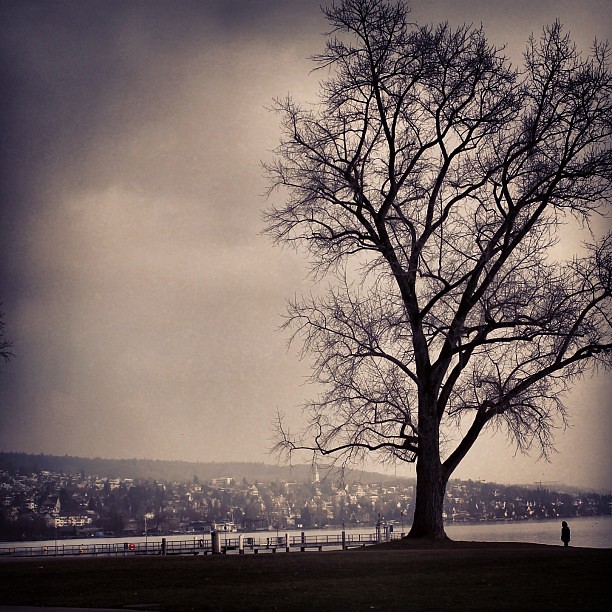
<point x="214" y="543"/>
<point x="587" y="532"/>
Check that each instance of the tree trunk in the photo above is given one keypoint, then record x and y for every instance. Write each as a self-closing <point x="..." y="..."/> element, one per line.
<point x="431" y="483"/>
<point x="431" y="487"/>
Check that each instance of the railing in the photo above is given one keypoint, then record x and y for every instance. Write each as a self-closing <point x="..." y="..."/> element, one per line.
<point x="202" y="545"/>
<point x="75" y="550"/>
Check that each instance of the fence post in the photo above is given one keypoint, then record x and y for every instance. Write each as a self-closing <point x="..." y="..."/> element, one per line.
<point x="216" y="542"/>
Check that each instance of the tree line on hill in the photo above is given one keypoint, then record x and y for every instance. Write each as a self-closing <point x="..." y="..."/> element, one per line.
<point x="169" y="471"/>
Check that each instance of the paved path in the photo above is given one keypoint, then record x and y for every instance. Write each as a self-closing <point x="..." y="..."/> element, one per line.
<point x="37" y="609"/>
<point x="152" y="608"/>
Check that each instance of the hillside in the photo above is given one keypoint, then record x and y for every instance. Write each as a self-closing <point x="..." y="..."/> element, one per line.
<point x="173" y="471"/>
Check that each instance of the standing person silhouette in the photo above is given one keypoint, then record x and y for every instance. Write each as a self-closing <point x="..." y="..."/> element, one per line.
<point x="565" y="534"/>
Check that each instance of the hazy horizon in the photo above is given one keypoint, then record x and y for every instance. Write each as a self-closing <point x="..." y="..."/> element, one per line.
<point x="325" y="471"/>
<point x="142" y="300"/>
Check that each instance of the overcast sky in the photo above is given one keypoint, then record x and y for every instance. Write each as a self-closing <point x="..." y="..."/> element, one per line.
<point x="142" y="300"/>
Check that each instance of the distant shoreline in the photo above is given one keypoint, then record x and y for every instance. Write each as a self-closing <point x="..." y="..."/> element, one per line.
<point x="590" y="532"/>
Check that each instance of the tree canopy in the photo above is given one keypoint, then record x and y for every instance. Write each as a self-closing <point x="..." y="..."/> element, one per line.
<point x="431" y="183"/>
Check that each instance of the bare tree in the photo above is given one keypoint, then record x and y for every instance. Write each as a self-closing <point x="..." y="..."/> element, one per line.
<point x="431" y="183"/>
<point x="5" y="345"/>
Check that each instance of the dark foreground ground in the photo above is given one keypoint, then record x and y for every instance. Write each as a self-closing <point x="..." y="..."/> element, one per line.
<point x="397" y="576"/>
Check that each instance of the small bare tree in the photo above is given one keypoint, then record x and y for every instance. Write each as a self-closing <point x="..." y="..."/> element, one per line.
<point x="5" y="345"/>
<point x="432" y="181"/>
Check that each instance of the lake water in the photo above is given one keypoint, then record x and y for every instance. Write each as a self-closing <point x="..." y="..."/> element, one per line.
<point x="588" y="532"/>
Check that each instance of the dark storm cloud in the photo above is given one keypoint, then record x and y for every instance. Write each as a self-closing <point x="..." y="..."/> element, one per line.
<point x="69" y="67"/>
<point x="74" y="71"/>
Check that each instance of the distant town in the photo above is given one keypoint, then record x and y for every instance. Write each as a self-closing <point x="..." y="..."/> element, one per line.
<point x="47" y="504"/>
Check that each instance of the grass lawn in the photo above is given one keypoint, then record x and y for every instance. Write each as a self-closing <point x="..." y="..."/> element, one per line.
<point x="397" y="576"/>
